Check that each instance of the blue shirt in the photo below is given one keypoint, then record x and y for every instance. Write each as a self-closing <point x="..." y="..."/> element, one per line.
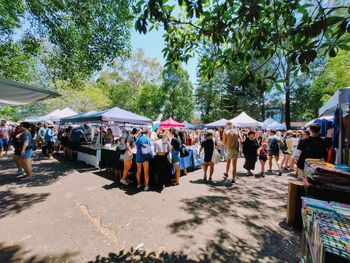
<point x="76" y="135"/>
<point x="26" y="137"/>
<point x="49" y="135"/>
<point x="141" y="140"/>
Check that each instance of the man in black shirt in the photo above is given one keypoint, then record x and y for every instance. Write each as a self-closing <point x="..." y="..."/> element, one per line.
<point x="313" y="147"/>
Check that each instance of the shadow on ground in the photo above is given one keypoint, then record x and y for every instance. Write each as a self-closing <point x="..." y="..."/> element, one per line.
<point x="16" y="253"/>
<point x="14" y="203"/>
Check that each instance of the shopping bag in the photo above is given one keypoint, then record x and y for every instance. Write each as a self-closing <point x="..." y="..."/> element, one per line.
<point x="216" y="157"/>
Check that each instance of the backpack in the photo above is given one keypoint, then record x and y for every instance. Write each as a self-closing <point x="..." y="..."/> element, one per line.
<point x="274" y="146"/>
<point x="284" y="146"/>
<point x="121" y="148"/>
<point x="183" y="151"/>
<point x="146" y="151"/>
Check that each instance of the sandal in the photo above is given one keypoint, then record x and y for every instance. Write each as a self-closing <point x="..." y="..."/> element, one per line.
<point x="210" y="179"/>
<point x="205" y="179"/>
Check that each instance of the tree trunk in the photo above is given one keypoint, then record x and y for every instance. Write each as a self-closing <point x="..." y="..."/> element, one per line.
<point x="262" y="105"/>
<point x="287" y="94"/>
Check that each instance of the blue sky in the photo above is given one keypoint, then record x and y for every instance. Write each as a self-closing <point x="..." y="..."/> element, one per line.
<point x="152" y="43"/>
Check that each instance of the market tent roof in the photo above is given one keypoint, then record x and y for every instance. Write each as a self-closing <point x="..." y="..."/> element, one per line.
<point x="271" y="124"/>
<point x="328" y="118"/>
<point x="14" y="93"/>
<point x="115" y="114"/>
<point x="218" y="123"/>
<point x="341" y="97"/>
<point x="56" y="115"/>
<point x="170" y="123"/>
<point x="76" y="118"/>
<point x="188" y="125"/>
<point x="244" y="120"/>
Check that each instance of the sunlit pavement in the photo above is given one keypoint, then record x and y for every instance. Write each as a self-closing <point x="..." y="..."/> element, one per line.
<point x="68" y="213"/>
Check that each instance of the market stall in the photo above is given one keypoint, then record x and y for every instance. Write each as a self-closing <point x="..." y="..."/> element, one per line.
<point x="89" y="154"/>
<point x="271" y="124"/>
<point x="188" y="125"/>
<point x="243" y="120"/>
<point x="170" y="123"/>
<point x="338" y="105"/>
<point x="326" y="231"/>
<point x="217" y="124"/>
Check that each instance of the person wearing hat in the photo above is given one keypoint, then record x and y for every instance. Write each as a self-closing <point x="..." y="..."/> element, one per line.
<point x="50" y="138"/>
<point x="41" y="135"/>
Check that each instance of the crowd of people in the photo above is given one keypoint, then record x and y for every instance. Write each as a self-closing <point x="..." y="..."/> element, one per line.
<point x="166" y="146"/>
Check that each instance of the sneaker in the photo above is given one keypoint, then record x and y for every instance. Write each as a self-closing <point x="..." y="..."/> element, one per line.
<point x="124" y="182"/>
<point x="146" y="188"/>
<point x="233" y="181"/>
<point x="225" y="175"/>
<point x="139" y="186"/>
<point x="279" y="173"/>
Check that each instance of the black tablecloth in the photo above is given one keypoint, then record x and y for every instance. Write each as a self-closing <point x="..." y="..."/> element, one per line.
<point x="109" y="159"/>
<point x="87" y="150"/>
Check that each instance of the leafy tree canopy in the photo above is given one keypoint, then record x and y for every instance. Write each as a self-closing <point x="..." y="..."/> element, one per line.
<point x="247" y="32"/>
<point x="76" y="38"/>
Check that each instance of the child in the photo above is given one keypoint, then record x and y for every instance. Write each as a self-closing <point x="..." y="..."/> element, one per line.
<point x="263" y="158"/>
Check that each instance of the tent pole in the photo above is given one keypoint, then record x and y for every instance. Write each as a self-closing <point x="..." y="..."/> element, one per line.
<point x="340" y="146"/>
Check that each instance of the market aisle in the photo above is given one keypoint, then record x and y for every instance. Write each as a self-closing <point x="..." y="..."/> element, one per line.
<point x="68" y="213"/>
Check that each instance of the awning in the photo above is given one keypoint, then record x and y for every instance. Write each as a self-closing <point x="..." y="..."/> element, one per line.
<point x="340" y="97"/>
<point x="243" y="120"/>
<point x="271" y="124"/>
<point x="215" y="124"/>
<point x="115" y="115"/>
<point x="170" y="123"/>
<point x="13" y="93"/>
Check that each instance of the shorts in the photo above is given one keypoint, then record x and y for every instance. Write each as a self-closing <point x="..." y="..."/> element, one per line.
<point x="263" y="158"/>
<point x="4" y="143"/>
<point x="74" y="145"/>
<point x="231" y="154"/>
<point x="295" y="154"/>
<point x="27" y="154"/>
<point x="274" y="153"/>
<point x="175" y="156"/>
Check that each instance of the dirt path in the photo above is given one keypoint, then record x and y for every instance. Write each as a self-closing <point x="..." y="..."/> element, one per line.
<point x="68" y="213"/>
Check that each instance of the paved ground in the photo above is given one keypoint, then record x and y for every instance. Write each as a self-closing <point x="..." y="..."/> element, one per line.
<point x="67" y="213"/>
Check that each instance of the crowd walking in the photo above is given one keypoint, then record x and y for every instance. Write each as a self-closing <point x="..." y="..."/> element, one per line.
<point x="166" y="147"/>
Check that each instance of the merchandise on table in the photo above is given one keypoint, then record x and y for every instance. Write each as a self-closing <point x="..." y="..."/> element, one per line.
<point x="327" y="230"/>
<point x="325" y="175"/>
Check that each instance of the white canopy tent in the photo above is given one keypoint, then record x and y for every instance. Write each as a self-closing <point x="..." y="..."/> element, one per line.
<point x="56" y="115"/>
<point x="243" y="120"/>
<point x="340" y="98"/>
<point x="13" y="93"/>
<point x="329" y="118"/>
<point x="218" y="123"/>
<point x="271" y="124"/>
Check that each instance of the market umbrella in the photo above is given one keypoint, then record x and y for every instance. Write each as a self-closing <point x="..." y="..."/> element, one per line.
<point x="170" y="123"/>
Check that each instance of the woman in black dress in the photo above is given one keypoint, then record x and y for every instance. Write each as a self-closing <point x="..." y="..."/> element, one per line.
<point x="208" y="145"/>
<point x="250" y="152"/>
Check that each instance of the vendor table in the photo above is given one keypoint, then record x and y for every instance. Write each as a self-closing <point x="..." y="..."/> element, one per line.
<point x="90" y="155"/>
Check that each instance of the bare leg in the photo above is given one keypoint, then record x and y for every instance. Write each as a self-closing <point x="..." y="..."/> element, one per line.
<point x="138" y="173"/>
<point x="234" y="169"/>
<point x="177" y="172"/>
<point x="205" y="169"/>
<point x="211" y="170"/>
<point x="145" y="172"/>
<point x="262" y="162"/>
<point x="270" y="162"/>
<point x="228" y="163"/>
<point x="16" y="159"/>
<point x="27" y="167"/>
<point x="127" y="167"/>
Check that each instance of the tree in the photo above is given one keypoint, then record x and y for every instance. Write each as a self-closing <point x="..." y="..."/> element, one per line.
<point x="327" y="80"/>
<point x="78" y="37"/>
<point x="149" y="102"/>
<point x="176" y="93"/>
